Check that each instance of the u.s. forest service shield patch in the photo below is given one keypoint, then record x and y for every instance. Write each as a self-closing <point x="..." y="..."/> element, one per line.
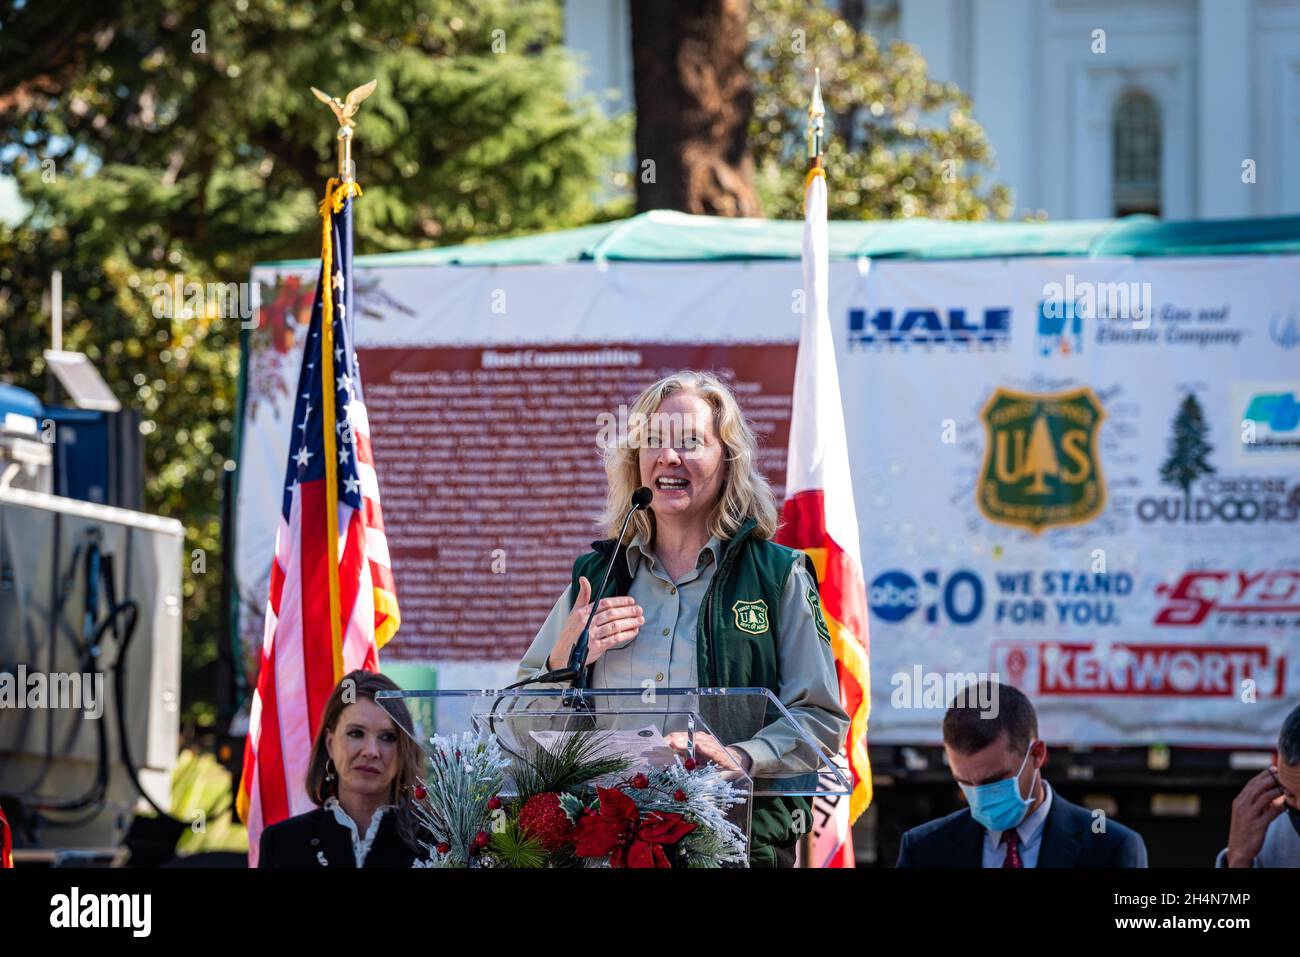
<point x="1041" y="465"/>
<point x="751" y="616"/>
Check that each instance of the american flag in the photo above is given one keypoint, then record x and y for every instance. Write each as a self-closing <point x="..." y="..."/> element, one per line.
<point x="333" y="603"/>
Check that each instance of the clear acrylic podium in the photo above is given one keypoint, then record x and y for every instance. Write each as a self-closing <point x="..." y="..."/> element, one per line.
<point x="650" y="728"/>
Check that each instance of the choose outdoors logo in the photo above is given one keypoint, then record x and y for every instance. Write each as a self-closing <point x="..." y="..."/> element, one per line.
<point x="1041" y="465"/>
<point x="1208" y="497"/>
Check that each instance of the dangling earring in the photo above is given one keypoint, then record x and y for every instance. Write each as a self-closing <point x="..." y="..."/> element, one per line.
<point x="329" y="770"/>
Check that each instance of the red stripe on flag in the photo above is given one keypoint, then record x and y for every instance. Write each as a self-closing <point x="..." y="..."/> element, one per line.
<point x="381" y="576"/>
<point x="272" y="793"/>
<point x="373" y="514"/>
<point x="350" y="564"/>
<point x="317" y="646"/>
<point x="277" y="586"/>
<point x="364" y="452"/>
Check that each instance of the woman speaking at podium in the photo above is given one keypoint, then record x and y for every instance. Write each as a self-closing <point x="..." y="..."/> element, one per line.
<point x="706" y="538"/>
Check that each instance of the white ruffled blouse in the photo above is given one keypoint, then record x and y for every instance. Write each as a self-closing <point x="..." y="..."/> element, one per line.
<point x="360" y="845"/>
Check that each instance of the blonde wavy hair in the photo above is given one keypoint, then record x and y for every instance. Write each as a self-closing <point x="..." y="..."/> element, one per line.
<point x="745" y="492"/>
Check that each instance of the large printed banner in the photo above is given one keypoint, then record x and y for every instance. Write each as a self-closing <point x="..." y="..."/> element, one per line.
<point x="1080" y="475"/>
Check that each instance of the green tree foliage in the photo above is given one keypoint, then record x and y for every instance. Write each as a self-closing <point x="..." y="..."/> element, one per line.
<point x="898" y="144"/>
<point x="179" y="137"/>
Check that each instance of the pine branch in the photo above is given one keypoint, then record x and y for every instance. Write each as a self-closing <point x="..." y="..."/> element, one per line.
<point x="572" y="765"/>
<point x="515" y="849"/>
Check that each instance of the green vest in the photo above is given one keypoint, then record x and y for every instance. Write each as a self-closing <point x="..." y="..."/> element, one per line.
<point x="751" y="570"/>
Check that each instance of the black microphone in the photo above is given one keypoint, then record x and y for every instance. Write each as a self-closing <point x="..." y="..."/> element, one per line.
<point x="576" y="671"/>
<point x="578" y="656"/>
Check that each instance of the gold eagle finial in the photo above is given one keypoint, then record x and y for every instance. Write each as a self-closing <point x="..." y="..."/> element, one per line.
<point x="344" y="110"/>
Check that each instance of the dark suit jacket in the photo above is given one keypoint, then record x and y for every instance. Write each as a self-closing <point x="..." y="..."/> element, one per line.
<point x="297" y="841"/>
<point x="1068" y="841"/>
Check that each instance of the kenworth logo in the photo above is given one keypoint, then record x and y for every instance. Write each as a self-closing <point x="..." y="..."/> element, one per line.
<point x="954" y="327"/>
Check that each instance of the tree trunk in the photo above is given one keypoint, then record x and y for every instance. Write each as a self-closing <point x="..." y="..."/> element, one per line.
<point x="693" y="105"/>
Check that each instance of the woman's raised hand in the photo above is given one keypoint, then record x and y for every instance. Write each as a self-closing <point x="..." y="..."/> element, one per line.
<point x="617" y="622"/>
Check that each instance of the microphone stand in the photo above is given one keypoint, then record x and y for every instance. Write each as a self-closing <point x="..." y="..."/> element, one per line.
<point x="575" y="672"/>
<point x="578" y="656"/>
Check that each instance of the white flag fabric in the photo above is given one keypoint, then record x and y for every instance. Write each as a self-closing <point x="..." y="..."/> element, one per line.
<point x="819" y="517"/>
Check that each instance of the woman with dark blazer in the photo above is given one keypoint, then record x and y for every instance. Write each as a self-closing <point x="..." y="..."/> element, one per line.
<point x="363" y="771"/>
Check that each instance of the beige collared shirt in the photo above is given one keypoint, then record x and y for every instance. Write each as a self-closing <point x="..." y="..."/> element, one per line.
<point x="664" y="649"/>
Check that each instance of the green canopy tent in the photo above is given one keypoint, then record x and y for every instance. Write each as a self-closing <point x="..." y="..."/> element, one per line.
<point x="664" y="236"/>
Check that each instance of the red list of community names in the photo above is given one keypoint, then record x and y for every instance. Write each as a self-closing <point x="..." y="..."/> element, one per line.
<point x="492" y="479"/>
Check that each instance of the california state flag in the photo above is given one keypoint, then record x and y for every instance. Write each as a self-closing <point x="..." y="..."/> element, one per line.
<point x="819" y="517"/>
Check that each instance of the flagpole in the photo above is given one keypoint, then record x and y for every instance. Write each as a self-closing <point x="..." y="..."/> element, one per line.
<point x="298" y="652"/>
<point x="819" y="505"/>
<point x="337" y="191"/>
<point x="347" y="168"/>
<point x="816" y="135"/>
<point x="816" y="124"/>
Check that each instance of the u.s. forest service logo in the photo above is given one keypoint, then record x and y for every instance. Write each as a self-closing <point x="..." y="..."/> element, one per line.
<point x="818" y="618"/>
<point x="1041" y="466"/>
<point x="751" y="616"/>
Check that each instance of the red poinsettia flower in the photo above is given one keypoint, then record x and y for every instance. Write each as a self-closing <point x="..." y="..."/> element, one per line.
<point x="619" y="831"/>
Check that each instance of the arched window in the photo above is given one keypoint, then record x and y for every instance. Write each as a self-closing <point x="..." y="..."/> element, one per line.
<point x="1136" y="146"/>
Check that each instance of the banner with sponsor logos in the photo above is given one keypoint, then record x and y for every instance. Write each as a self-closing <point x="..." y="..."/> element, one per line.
<point x="1082" y="475"/>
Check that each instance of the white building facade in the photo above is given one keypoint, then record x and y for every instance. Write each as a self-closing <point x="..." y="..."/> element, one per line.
<point x="1185" y="109"/>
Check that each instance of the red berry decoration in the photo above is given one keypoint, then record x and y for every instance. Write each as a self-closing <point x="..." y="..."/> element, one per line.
<point x="689" y="764"/>
<point x="679" y="795"/>
<point x="640" y="782"/>
<point x="494" y="802"/>
<point x="482" y="839"/>
<point x="420" y="792"/>
<point x="544" y="819"/>
<point x="443" y="847"/>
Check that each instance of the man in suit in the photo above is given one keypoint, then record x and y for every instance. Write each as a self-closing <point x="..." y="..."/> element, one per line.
<point x="1013" y="818"/>
<point x="1265" y="828"/>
